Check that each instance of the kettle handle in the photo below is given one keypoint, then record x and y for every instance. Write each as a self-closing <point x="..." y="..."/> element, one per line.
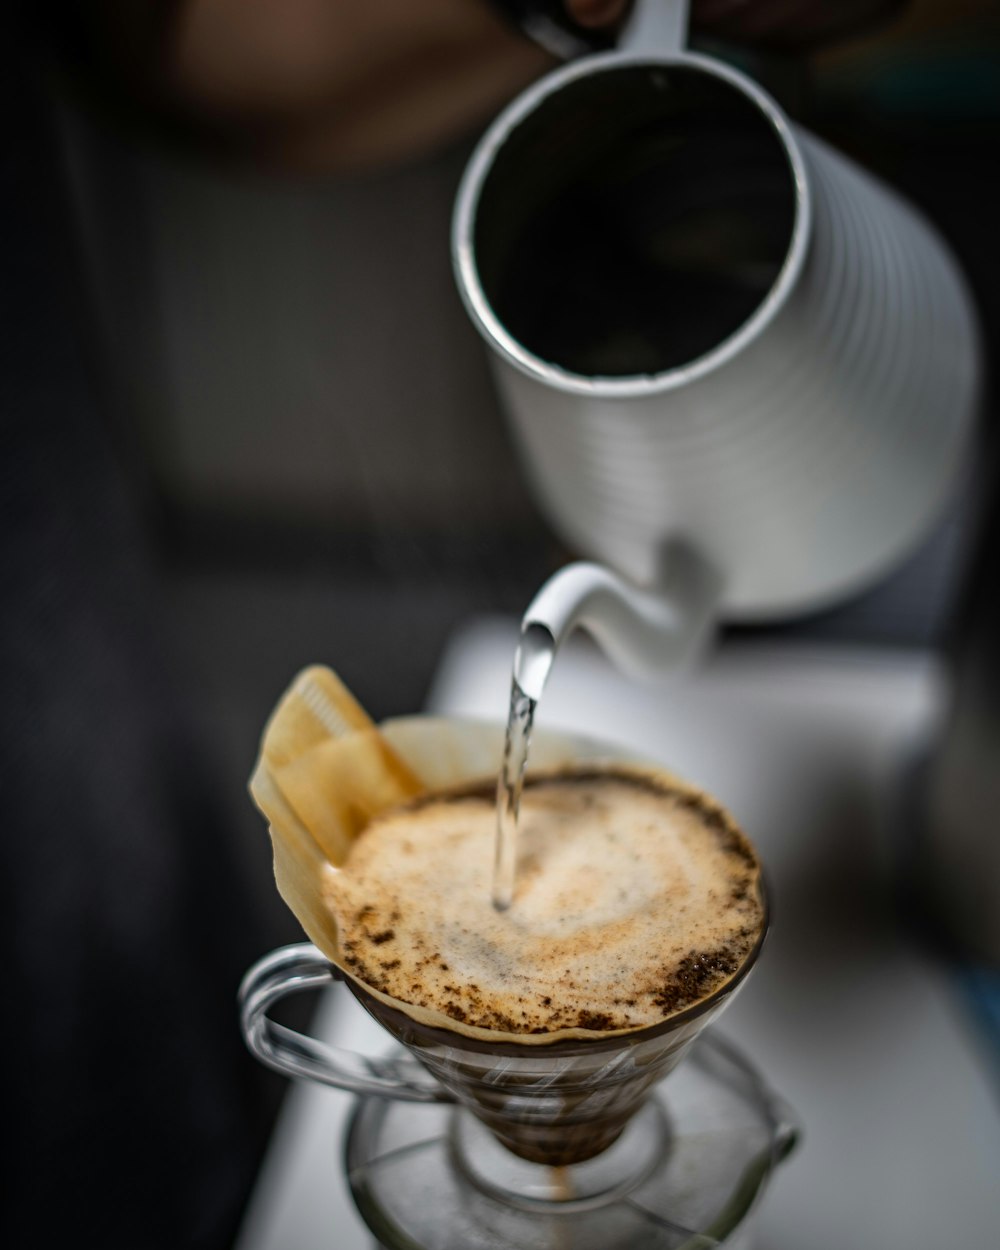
<point x="651" y="26"/>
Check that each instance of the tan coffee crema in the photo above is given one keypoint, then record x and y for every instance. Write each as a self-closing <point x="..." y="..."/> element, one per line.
<point x="636" y="898"/>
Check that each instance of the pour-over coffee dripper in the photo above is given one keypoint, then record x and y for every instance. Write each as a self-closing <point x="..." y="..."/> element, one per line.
<point x="549" y="1126"/>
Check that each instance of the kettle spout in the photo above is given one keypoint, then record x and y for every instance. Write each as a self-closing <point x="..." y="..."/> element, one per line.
<point x="644" y="631"/>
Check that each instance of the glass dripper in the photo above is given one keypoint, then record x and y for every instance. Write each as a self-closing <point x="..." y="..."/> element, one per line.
<point x="574" y="1119"/>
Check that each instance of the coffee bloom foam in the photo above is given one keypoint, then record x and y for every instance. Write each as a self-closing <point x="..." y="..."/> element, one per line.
<point x="636" y="898"/>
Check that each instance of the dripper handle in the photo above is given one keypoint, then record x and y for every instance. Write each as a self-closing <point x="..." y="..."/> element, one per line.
<point x="645" y="632"/>
<point x="290" y="970"/>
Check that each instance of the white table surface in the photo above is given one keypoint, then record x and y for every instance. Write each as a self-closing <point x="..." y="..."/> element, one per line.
<point x="864" y="1035"/>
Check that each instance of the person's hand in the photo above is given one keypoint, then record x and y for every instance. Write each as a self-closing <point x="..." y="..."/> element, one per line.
<point x="329" y="84"/>
<point x="597" y="14"/>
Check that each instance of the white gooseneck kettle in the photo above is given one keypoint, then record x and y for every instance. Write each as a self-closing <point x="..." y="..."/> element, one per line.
<point x="713" y="335"/>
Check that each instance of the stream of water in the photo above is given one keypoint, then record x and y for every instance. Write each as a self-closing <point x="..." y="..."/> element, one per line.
<point x="531" y="666"/>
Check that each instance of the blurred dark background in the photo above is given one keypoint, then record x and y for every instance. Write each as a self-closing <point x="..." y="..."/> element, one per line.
<point x="247" y="426"/>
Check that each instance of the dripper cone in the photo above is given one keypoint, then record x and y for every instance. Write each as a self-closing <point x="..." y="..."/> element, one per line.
<point x="324" y="772"/>
<point x="558" y="1104"/>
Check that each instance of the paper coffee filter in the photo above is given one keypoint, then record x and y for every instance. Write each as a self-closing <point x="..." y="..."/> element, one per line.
<point x="325" y="770"/>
